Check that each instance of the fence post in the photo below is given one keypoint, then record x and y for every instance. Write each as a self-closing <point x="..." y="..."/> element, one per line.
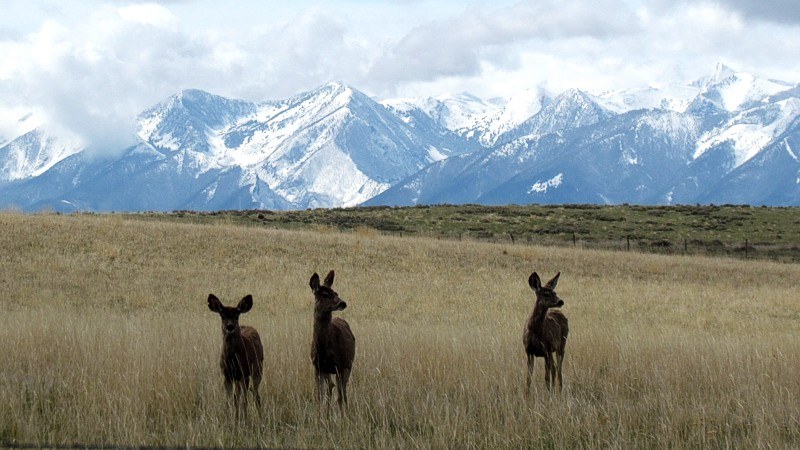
<point x="574" y="241"/>
<point x="745" y="248"/>
<point x="628" y="239"/>
<point x="512" y="236"/>
<point x="685" y="245"/>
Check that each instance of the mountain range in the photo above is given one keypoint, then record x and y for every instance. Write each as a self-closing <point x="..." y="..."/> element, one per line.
<point x="728" y="137"/>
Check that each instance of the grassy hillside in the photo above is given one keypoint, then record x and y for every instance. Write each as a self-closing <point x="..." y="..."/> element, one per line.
<point x="107" y="340"/>
<point x="735" y="231"/>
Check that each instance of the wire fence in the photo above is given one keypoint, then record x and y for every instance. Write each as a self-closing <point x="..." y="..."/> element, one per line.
<point x="744" y="249"/>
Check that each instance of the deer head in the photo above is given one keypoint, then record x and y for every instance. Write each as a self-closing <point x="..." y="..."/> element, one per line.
<point x="545" y="295"/>
<point x="327" y="300"/>
<point x="230" y="314"/>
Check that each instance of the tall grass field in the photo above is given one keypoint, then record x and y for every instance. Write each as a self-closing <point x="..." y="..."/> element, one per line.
<point x="106" y="339"/>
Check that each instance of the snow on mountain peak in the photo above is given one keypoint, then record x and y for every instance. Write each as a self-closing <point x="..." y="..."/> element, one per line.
<point x="184" y="120"/>
<point x="15" y="122"/>
<point x="720" y="73"/>
<point x="332" y="91"/>
<point x="456" y="112"/>
<point x="671" y="97"/>
<point x="34" y="153"/>
<point x="478" y="120"/>
<point x="752" y="130"/>
<point x="575" y="102"/>
<point x="734" y="91"/>
<point x="520" y="107"/>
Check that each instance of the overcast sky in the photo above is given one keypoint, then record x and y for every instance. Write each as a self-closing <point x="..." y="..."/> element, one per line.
<point x="92" y="65"/>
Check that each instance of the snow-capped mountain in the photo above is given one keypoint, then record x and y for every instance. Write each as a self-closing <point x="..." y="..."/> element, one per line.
<point x="570" y="110"/>
<point x="478" y="121"/>
<point x="650" y="146"/>
<point x="31" y="151"/>
<point x="734" y="91"/>
<point x="728" y="137"/>
<point x="600" y="163"/>
<point x="332" y="146"/>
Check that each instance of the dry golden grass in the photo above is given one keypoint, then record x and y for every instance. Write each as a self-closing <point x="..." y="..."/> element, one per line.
<point x="107" y="339"/>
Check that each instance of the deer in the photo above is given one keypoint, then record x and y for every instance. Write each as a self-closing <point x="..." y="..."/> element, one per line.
<point x="546" y="331"/>
<point x="333" y="346"/>
<point x="242" y="355"/>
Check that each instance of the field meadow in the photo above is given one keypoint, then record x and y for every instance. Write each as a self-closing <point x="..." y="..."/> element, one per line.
<point x="107" y="340"/>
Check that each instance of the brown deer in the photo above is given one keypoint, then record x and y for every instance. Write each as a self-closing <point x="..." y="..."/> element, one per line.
<point x="546" y="331"/>
<point x="333" y="347"/>
<point x="242" y="354"/>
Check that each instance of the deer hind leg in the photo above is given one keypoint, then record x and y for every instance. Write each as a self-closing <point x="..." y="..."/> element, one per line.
<point x="341" y="379"/>
<point x="256" y="383"/>
<point x="331" y="385"/>
<point x="531" y="360"/>
<point x="245" y="387"/>
<point x="560" y="361"/>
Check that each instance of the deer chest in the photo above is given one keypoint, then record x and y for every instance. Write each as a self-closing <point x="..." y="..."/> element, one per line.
<point x="235" y="366"/>
<point x="323" y="358"/>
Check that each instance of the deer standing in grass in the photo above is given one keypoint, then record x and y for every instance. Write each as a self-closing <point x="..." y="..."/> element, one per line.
<point x="333" y="347"/>
<point x="242" y="354"/>
<point x="546" y="331"/>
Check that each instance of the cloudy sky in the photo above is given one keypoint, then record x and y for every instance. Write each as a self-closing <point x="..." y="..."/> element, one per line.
<point x="92" y="65"/>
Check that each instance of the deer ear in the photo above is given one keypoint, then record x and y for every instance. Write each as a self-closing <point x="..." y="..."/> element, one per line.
<point x="534" y="281"/>
<point x="314" y="283"/>
<point x="552" y="283"/>
<point x="214" y="304"/>
<point x="329" y="279"/>
<point x="245" y="304"/>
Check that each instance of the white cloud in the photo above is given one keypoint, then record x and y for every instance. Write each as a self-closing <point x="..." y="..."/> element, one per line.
<point x="94" y="65"/>
<point x="148" y="14"/>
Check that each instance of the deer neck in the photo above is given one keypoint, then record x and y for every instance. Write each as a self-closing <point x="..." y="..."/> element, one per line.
<point x="322" y="322"/>
<point x="537" y="319"/>
<point x="231" y="343"/>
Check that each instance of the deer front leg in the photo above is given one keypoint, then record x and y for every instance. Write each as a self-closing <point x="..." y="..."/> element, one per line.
<point x="331" y="385"/>
<point x="548" y="369"/>
<point x="230" y="394"/>
<point x="531" y="360"/>
<point x="560" y="360"/>
<point x="236" y="393"/>
<point x="320" y="391"/>
<point x="244" y="386"/>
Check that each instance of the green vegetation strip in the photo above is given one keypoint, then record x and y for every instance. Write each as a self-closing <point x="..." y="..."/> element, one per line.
<point x="729" y="230"/>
